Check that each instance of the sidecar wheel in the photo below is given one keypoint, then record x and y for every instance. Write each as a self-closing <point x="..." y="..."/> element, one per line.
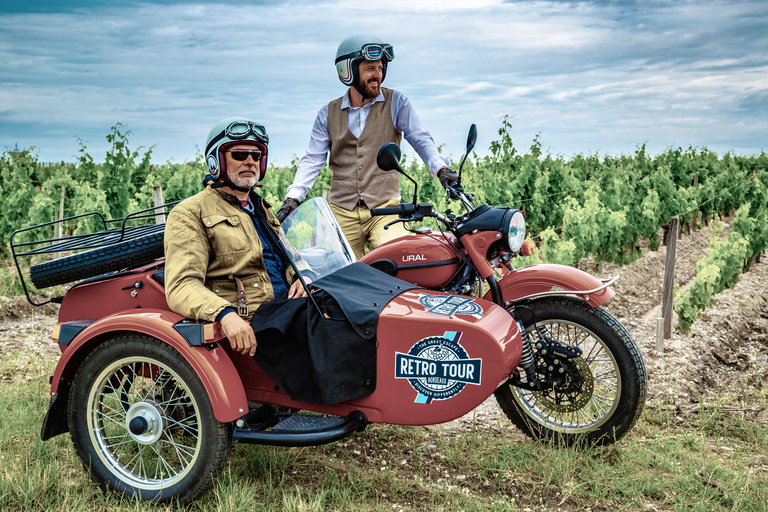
<point x="142" y="423"/>
<point x="602" y="393"/>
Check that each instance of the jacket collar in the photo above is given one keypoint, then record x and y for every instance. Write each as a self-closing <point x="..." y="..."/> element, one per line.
<point x="256" y="199"/>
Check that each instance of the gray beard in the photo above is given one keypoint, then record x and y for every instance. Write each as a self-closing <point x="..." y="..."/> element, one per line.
<point x="244" y="182"/>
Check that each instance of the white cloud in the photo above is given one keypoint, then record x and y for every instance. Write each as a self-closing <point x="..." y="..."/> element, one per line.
<point x="587" y="76"/>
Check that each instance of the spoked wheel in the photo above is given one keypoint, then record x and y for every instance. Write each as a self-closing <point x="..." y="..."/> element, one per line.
<point x="597" y="396"/>
<point x="142" y="423"/>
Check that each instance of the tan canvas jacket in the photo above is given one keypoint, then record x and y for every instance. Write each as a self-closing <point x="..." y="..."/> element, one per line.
<point x="209" y="239"/>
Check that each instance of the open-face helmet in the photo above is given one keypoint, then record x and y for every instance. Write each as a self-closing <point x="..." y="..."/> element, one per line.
<point x="230" y="131"/>
<point x="357" y="48"/>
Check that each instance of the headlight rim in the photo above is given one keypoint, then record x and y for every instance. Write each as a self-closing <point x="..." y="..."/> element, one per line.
<point x="515" y="229"/>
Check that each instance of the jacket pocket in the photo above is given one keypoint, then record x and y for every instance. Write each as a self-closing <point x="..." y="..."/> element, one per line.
<point x="226" y="233"/>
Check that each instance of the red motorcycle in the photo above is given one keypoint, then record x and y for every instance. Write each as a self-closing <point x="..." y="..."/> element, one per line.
<point x="580" y="375"/>
<point x="153" y="400"/>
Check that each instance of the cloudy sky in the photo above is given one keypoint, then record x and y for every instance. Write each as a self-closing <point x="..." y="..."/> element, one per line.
<point x="589" y="77"/>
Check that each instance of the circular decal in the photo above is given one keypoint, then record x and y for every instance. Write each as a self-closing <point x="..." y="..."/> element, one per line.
<point x="438" y="368"/>
<point x="213" y="166"/>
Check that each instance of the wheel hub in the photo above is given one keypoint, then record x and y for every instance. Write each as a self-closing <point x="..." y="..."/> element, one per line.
<point x="574" y="392"/>
<point x="144" y="422"/>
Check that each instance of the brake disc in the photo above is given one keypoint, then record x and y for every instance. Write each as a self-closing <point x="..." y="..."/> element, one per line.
<point x="574" y="393"/>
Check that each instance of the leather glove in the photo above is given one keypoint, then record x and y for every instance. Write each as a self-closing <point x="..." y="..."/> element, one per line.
<point x="289" y="205"/>
<point x="447" y="177"/>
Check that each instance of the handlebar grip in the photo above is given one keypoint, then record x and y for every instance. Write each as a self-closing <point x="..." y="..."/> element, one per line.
<point x="395" y="210"/>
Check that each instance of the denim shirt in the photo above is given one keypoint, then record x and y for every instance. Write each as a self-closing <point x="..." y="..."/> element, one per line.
<point x="273" y="260"/>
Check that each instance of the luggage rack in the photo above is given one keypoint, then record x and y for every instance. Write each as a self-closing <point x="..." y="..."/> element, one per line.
<point x="107" y="237"/>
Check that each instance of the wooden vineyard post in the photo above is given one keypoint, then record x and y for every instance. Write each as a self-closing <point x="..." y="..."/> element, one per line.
<point x="695" y="223"/>
<point x="58" y="228"/>
<point x="157" y="191"/>
<point x="669" y="282"/>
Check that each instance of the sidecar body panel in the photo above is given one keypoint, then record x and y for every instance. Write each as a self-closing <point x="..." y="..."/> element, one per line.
<point x="98" y="298"/>
<point x="544" y="278"/>
<point x="209" y="360"/>
<point x="439" y="356"/>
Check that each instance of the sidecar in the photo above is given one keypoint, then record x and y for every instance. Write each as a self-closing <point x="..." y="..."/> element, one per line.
<point x="153" y="400"/>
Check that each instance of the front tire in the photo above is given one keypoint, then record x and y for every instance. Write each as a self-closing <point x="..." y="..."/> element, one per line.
<point x="142" y="423"/>
<point x="603" y="392"/>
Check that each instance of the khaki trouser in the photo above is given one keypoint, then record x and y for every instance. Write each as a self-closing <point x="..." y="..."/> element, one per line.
<point x="360" y="228"/>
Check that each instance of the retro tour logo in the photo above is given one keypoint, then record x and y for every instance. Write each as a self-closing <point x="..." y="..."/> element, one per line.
<point x="438" y="367"/>
<point x="451" y="305"/>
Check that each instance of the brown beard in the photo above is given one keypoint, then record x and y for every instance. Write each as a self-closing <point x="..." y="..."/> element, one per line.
<point x="372" y="89"/>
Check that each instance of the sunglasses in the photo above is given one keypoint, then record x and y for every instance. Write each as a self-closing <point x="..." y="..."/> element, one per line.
<point x="241" y="155"/>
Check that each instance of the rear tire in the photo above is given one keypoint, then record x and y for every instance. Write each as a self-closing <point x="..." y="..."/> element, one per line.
<point x="142" y="423"/>
<point x="604" y="392"/>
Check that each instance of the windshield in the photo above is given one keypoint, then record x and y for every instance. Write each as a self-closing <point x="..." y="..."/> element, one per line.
<point x="312" y="232"/>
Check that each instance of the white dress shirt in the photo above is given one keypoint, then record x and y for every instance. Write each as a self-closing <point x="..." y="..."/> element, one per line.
<point x="404" y="118"/>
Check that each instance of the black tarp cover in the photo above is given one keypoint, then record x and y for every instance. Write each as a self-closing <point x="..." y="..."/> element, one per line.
<point x="326" y="358"/>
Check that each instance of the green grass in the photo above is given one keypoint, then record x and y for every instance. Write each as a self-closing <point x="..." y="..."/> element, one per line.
<point x="712" y="461"/>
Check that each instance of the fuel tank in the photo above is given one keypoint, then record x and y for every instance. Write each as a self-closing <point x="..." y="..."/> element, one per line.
<point x="426" y="259"/>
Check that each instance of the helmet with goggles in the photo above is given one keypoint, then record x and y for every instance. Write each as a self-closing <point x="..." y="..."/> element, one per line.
<point x="355" y="49"/>
<point x="231" y="131"/>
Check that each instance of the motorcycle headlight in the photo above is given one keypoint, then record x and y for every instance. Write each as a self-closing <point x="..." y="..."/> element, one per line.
<point x="516" y="231"/>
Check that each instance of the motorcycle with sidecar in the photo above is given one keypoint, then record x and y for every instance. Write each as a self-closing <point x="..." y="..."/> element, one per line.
<point x="153" y="401"/>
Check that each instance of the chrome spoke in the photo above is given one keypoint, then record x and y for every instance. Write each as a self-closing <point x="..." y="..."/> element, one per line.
<point x="159" y="457"/>
<point x="569" y="409"/>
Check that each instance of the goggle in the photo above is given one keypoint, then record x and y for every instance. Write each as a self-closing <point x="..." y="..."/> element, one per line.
<point x="372" y="52"/>
<point x="241" y="155"/>
<point x="242" y="129"/>
<point x="239" y="130"/>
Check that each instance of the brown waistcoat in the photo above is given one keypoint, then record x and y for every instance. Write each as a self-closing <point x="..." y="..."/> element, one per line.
<point x="353" y="160"/>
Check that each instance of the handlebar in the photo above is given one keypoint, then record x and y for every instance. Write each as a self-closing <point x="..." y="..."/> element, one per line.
<point x="403" y="210"/>
<point x="457" y="192"/>
<point x="411" y="212"/>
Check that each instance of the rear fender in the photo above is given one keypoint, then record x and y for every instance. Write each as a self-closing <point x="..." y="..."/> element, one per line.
<point x="539" y="280"/>
<point x="209" y="360"/>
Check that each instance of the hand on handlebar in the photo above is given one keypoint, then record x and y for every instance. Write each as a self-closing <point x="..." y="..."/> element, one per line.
<point x="447" y="177"/>
<point x="288" y="206"/>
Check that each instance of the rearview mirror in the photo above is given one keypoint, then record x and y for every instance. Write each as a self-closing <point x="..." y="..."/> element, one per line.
<point x="472" y="137"/>
<point x="388" y="158"/>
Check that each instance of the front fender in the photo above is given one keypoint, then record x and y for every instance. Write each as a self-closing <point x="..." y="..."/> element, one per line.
<point x="527" y="282"/>
<point x="213" y="366"/>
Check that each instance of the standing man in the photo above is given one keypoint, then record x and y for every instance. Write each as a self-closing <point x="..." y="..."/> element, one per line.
<point x="222" y="256"/>
<point x="353" y="128"/>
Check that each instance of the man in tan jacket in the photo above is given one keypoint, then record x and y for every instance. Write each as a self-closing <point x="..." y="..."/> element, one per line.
<point x="221" y="246"/>
<point x="352" y="129"/>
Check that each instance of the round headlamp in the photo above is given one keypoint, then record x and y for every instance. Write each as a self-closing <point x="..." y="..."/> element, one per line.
<point x="515" y="230"/>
